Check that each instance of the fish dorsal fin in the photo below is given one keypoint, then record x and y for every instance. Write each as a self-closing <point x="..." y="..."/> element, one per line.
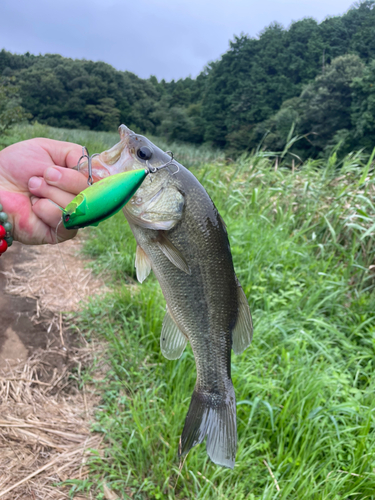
<point x="171" y="252"/>
<point x="142" y="264"/>
<point x="172" y="340"/>
<point x="242" y="333"/>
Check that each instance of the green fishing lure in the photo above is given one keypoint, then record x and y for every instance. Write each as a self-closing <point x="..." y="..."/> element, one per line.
<point x="103" y="199"/>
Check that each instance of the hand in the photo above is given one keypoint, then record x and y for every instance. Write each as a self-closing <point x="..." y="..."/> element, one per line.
<point x="31" y="173"/>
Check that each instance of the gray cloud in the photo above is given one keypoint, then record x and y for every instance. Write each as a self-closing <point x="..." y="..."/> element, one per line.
<point x="166" y="38"/>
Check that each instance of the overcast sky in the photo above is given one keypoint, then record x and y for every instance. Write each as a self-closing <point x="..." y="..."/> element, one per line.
<point x="165" y="38"/>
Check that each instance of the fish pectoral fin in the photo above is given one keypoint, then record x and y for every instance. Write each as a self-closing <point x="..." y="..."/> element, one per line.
<point x="242" y="333"/>
<point x="172" y="340"/>
<point x="171" y="252"/>
<point x="142" y="264"/>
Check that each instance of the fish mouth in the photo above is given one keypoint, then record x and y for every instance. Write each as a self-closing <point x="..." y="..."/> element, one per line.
<point x="125" y="133"/>
<point x="113" y="161"/>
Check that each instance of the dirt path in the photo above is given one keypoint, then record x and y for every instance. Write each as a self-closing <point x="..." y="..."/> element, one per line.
<point x="44" y="417"/>
<point x="21" y="332"/>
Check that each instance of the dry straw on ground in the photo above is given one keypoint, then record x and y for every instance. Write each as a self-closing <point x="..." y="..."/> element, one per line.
<point x="55" y="277"/>
<point x="45" y="418"/>
<point x="44" y="429"/>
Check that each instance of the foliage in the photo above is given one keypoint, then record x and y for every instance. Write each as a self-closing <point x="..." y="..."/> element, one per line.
<point x="247" y="87"/>
<point x="99" y="141"/>
<point x="312" y="77"/>
<point x="363" y="109"/>
<point x="326" y="102"/>
<point x="322" y="114"/>
<point x="184" y="124"/>
<point x="303" y="249"/>
<point x="11" y="112"/>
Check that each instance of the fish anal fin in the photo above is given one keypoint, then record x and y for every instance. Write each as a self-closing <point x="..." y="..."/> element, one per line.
<point x="242" y="333"/>
<point x="142" y="264"/>
<point x="216" y="420"/>
<point x="172" y="340"/>
<point x="171" y="252"/>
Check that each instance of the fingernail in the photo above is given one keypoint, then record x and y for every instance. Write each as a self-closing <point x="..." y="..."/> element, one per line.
<point x="35" y="182"/>
<point x="52" y="174"/>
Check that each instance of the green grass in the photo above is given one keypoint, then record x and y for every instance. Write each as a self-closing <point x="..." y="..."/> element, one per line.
<point x="303" y="247"/>
<point x="98" y="141"/>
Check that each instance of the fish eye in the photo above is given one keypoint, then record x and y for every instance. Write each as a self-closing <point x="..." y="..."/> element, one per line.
<point x="144" y="153"/>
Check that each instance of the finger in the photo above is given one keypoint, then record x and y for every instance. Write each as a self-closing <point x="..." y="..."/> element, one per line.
<point x="51" y="216"/>
<point x="66" y="179"/>
<point x="33" y="200"/>
<point x="65" y="154"/>
<point x="38" y="187"/>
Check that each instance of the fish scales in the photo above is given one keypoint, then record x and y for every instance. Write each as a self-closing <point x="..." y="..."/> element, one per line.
<point x="204" y="304"/>
<point x="181" y="236"/>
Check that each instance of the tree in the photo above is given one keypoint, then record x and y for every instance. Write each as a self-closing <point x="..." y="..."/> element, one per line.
<point x="254" y="94"/>
<point x="11" y="112"/>
<point x="104" y="115"/>
<point x="363" y="107"/>
<point x="360" y="24"/>
<point x="326" y="102"/>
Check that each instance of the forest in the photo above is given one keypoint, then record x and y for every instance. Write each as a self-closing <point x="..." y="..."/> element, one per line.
<point x="310" y="88"/>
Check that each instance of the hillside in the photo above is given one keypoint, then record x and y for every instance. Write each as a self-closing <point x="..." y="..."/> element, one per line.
<point x="312" y="80"/>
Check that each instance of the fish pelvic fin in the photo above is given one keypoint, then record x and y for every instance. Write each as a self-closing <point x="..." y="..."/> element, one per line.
<point x="142" y="264"/>
<point x="172" y="340"/>
<point x="242" y="333"/>
<point x="215" y="417"/>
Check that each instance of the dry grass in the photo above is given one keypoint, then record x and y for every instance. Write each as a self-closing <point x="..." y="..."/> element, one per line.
<point x="56" y="277"/>
<point x="45" y="417"/>
<point x="44" y="429"/>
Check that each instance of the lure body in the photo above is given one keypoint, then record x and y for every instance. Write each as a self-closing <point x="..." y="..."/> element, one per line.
<point x="103" y="199"/>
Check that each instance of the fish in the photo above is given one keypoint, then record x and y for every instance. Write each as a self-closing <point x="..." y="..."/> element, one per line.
<point x="183" y="239"/>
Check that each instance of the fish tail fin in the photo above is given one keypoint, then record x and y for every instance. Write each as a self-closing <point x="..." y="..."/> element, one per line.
<point x="214" y="417"/>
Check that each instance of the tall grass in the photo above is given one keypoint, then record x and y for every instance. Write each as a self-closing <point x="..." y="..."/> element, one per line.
<point x="303" y="249"/>
<point x="99" y="141"/>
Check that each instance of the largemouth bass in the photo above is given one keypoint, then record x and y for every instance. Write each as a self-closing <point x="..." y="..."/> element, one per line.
<point x="183" y="239"/>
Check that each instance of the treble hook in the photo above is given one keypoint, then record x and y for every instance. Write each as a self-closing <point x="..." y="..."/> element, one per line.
<point x="153" y="170"/>
<point x="85" y="154"/>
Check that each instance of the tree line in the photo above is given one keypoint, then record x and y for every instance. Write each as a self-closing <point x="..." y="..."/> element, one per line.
<point x="312" y="81"/>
